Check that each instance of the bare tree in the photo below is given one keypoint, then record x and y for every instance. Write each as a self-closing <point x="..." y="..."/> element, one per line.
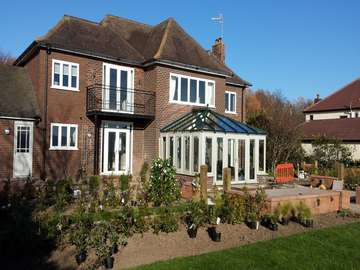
<point x="6" y="58"/>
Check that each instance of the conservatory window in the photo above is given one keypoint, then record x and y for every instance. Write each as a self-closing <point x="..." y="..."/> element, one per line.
<point x="231" y="157"/>
<point x="196" y="154"/>
<point x="208" y="153"/>
<point x="241" y="160"/>
<point x="261" y="155"/>
<point x="219" y="163"/>
<point x="178" y="151"/>
<point x="187" y="153"/>
<point x="252" y="159"/>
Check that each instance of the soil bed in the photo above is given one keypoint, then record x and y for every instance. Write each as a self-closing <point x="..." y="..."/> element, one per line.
<point x="151" y="247"/>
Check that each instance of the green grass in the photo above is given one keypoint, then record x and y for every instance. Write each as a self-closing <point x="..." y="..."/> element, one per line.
<point x="334" y="248"/>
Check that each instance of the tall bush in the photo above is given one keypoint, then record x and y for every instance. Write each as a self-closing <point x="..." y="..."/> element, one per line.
<point x="163" y="187"/>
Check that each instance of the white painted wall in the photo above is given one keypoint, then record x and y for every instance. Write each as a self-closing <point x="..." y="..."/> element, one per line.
<point x="354" y="148"/>
<point x="330" y="115"/>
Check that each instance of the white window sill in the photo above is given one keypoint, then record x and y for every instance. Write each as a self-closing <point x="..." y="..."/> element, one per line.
<point x="230" y="112"/>
<point x="63" y="148"/>
<point x="59" y="87"/>
<point x="191" y="104"/>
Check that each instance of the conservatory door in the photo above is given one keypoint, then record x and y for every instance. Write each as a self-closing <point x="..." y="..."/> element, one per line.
<point x="116" y="152"/>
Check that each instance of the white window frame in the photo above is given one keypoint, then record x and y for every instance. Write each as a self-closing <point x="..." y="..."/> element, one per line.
<point x="60" y="86"/>
<point x="67" y="147"/>
<point x="229" y="98"/>
<point x="197" y="103"/>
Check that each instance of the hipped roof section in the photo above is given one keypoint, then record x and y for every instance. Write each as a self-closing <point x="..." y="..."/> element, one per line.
<point x="128" y="41"/>
<point x="208" y="120"/>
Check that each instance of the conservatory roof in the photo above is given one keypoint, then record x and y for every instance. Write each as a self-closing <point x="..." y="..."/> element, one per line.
<point x="208" y="120"/>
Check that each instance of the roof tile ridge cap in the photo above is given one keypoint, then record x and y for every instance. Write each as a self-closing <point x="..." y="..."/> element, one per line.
<point x="53" y="30"/>
<point x="119" y="18"/>
<point x="327" y="97"/>
<point x="164" y="38"/>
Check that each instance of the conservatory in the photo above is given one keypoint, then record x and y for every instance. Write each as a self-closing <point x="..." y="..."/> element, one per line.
<point x="206" y="137"/>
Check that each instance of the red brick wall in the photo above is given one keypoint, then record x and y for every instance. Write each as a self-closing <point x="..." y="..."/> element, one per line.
<point x="6" y="149"/>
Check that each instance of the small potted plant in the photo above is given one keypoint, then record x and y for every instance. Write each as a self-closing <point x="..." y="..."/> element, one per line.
<point x="79" y="238"/>
<point x="214" y="221"/>
<point x="255" y="207"/>
<point x="253" y="220"/>
<point x="114" y="240"/>
<point x="304" y="215"/>
<point x="102" y="248"/>
<point x="270" y="221"/>
<point x="284" y="213"/>
<point x="195" y="218"/>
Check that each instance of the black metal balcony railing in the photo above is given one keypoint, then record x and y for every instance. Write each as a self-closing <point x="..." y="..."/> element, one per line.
<point x="105" y="98"/>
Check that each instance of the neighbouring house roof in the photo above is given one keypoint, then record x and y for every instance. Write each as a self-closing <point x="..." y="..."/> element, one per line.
<point x="133" y="42"/>
<point x="17" y="98"/>
<point x="345" y="98"/>
<point x="208" y="120"/>
<point x="346" y="129"/>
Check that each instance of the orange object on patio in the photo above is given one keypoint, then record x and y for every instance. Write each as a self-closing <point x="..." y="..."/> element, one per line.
<point x="284" y="173"/>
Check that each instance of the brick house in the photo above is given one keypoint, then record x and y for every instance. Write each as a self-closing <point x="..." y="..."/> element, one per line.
<point x="336" y="117"/>
<point x="105" y="95"/>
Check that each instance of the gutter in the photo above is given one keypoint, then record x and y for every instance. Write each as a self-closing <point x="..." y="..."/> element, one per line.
<point x="20" y="118"/>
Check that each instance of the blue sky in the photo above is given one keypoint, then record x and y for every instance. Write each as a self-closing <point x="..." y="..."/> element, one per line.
<point x="299" y="47"/>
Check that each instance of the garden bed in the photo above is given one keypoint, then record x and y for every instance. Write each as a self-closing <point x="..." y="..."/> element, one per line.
<point x="149" y="247"/>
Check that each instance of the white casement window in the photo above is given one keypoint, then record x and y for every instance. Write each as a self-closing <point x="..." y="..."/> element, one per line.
<point x="191" y="90"/>
<point x="230" y="102"/>
<point x="63" y="136"/>
<point x="65" y="75"/>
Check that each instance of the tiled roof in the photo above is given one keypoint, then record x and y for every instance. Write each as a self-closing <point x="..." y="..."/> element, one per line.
<point x="17" y="97"/>
<point x="346" y="129"/>
<point x="208" y="120"/>
<point x="129" y="41"/>
<point x="345" y="98"/>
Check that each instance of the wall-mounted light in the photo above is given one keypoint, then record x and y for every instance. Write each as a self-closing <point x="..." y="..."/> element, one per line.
<point x="7" y="131"/>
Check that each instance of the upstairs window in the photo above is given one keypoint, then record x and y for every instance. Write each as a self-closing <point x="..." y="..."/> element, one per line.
<point x="191" y="90"/>
<point x="230" y="102"/>
<point x="65" y="75"/>
<point x="63" y="137"/>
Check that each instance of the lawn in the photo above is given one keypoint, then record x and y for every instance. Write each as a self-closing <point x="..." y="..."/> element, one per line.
<point x="334" y="248"/>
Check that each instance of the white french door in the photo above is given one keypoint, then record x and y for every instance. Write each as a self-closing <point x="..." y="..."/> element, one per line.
<point x="118" y="93"/>
<point x="23" y="149"/>
<point x="116" y="151"/>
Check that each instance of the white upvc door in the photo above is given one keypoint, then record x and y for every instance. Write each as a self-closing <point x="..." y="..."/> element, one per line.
<point x="118" y="93"/>
<point x="23" y="149"/>
<point x="116" y="151"/>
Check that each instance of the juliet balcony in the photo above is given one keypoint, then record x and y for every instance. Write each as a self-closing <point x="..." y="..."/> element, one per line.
<point x="118" y="103"/>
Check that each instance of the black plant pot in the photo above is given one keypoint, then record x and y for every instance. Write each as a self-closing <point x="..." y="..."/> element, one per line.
<point x="114" y="248"/>
<point x="81" y="257"/>
<point x="109" y="262"/>
<point x="308" y="223"/>
<point x="273" y="226"/>
<point x="254" y="225"/>
<point x="192" y="232"/>
<point x="214" y="235"/>
<point x="284" y="221"/>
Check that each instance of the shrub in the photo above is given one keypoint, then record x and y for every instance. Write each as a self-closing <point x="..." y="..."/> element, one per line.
<point x="110" y="198"/>
<point x="163" y="187"/>
<point x="234" y="209"/>
<point x="94" y="183"/>
<point x="196" y="214"/>
<point x="124" y="182"/>
<point x="166" y="221"/>
<point x="283" y="211"/>
<point x="255" y="205"/>
<point x="303" y="212"/>
<point x="99" y="240"/>
<point x="63" y="193"/>
<point x="352" y="180"/>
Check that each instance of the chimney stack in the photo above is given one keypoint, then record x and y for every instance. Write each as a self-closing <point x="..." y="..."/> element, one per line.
<point x="218" y="50"/>
<point x="317" y="99"/>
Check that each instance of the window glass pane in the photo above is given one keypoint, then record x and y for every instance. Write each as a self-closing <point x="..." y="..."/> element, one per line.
<point x="72" y="136"/>
<point x="208" y="154"/>
<point x="174" y="88"/>
<point x="171" y="150"/>
<point x="178" y="151"/>
<point x="252" y="159"/>
<point x="219" y="163"/>
<point x="55" y="136"/>
<point x="261" y="155"/>
<point x="111" y="103"/>
<point x="56" y="74"/>
<point x="63" y="136"/>
<point x="187" y="153"/>
<point x="184" y="89"/>
<point x="164" y="147"/>
<point x="231" y="157"/>
<point x="65" y="75"/>
<point x="241" y="160"/>
<point x="122" y="151"/>
<point x="111" y="151"/>
<point x="226" y="101"/>
<point x="202" y="92"/>
<point x="123" y="89"/>
<point x="232" y="102"/>
<point x="196" y="154"/>
<point x="74" y="76"/>
<point x="193" y="90"/>
<point x="211" y="93"/>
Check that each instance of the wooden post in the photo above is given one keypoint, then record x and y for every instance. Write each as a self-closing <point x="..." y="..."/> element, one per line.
<point x="203" y="182"/>
<point x="227" y="180"/>
<point x="340" y="169"/>
<point x="303" y="165"/>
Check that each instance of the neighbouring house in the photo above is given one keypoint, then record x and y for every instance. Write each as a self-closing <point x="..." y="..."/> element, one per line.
<point x="103" y="98"/>
<point x="335" y="117"/>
